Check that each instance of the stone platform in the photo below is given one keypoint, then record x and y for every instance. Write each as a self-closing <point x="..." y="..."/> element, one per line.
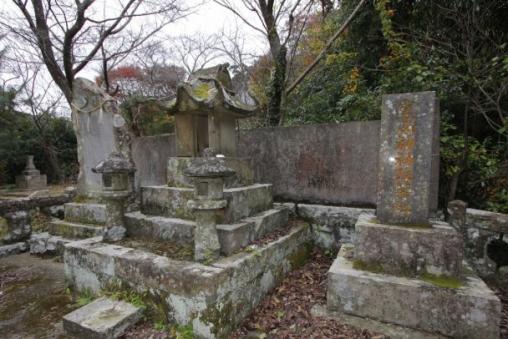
<point x="434" y="248"/>
<point x="172" y="201"/>
<point x="468" y="310"/>
<point x="213" y="297"/>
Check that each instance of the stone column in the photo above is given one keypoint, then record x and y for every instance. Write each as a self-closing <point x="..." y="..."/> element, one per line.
<point x="208" y="176"/>
<point x="457" y="210"/>
<point x="18" y="226"/>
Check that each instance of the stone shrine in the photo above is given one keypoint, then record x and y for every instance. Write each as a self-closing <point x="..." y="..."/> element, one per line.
<point x="405" y="268"/>
<point x="190" y="244"/>
<point x="31" y="178"/>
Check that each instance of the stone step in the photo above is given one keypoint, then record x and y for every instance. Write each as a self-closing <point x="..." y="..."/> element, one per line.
<point x="10" y="249"/>
<point x="233" y="237"/>
<point x="85" y="213"/>
<point x="104" y="318"/>
<point x="73" y="230"/>
<point x="177" y="230"/>
<point x="45" y="243"/>
<point x="172" y="201"/>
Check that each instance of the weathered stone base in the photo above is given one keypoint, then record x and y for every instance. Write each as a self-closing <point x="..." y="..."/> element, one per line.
<point x="435" y="248"/>
<point x="177" y="230"/>
<point x="102" y="319"/>
<point x="85" y="213"/>
<point x="469" y="311"/>
<point x="31" y="182"/>
<point x="172" y="201"/>
<point x="212" y="298"/>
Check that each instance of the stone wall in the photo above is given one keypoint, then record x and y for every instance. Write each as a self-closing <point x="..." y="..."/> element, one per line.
<point x="325" y="163"/>
<point x="484" y="247"/>
<point x="150" y="154"/>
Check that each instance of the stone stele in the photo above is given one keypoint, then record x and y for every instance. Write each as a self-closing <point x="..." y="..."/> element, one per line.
<point x="408" y="158"/>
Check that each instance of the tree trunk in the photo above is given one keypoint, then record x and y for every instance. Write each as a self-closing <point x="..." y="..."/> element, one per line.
<point x="276" y="88"/>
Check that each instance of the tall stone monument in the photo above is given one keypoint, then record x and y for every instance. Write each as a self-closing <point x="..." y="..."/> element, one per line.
<point x="405" y="268"/>
<point x="100" y="130"/>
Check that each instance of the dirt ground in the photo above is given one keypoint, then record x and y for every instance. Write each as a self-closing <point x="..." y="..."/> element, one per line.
<point x="33" y="298"/>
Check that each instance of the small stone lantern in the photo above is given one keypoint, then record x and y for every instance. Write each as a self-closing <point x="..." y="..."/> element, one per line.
<point x="115" y="171"/>
<point x="208" y="176"/>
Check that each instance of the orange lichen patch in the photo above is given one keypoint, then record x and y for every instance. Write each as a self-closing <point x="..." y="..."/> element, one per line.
<point x="404" y="160"/>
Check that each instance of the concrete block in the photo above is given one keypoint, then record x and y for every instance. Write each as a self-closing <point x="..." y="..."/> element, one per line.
<point x="41" y="243"/>
<point x="469" y="311"/>
<point x="409" y="250"/>
<point x="102" y="319"/>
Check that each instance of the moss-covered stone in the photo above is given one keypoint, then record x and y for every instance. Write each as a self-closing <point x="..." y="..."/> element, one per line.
<point x="299" y="257"/>
<point x="442" y="280"/>
<point x="369" y="267"/>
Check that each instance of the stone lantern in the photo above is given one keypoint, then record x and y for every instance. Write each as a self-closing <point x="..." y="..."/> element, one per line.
<point x="208" y="176"/>
<point x="116" y="171"/>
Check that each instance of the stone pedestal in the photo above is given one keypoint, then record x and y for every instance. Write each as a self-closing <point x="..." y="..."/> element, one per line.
<point x="466" y="310"/>
<point x="436" y="249"/>
<point x="31" y="178"/>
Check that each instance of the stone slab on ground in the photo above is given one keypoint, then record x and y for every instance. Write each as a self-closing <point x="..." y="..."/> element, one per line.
<point x="469" y="311"/>
<point x="408" y="158"/>
<point x="73" y="230"/>
<point x="85" y="213"/>
<point x="41" y="243"/>
<point x="15" y="248"/>
<point x="148" y="226"/>
<point x="390" y="330"/>
<point x="103" y="318"/>
<point x="437" y="249"/>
